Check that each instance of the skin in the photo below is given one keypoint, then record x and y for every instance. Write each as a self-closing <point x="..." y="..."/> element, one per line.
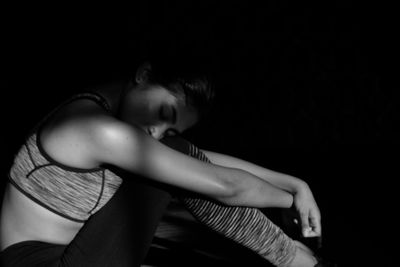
<point x="305" y="207"/>
<point x="83" y="135"/>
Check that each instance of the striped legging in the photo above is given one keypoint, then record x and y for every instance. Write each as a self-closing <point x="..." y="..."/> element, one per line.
<point x="246" y="226"/>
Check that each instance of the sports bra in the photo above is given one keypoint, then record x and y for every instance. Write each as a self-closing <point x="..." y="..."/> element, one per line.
<point x="70" y="192"/>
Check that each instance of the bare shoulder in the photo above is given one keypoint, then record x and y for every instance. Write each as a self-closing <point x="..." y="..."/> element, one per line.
<point x="78" y="132"/>
<point x="83" y="135"/>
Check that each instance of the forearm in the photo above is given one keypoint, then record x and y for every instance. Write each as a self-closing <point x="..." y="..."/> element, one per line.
<point x="283" y="181"/>
<point x="251" y="191"/>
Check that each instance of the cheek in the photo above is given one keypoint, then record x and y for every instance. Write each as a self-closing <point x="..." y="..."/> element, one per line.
<point x="142" y="114"/>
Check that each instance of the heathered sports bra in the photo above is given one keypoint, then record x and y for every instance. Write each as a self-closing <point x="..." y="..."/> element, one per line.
<point x="73" y="193"/>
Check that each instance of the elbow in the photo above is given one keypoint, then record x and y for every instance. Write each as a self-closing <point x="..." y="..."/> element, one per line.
<point x="232" y="192"/>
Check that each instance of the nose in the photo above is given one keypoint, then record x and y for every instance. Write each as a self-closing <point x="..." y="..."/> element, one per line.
<point x="157" y="131"/>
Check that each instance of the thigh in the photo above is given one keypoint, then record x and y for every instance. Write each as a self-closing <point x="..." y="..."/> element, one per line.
<point x="121" y="232"/>
<point x="31" y="253"/>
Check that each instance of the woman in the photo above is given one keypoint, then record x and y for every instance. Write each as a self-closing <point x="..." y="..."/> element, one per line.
<point x="63" y="175"/>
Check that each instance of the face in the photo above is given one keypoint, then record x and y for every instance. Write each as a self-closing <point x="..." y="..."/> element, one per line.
<point x="157" y="111"/>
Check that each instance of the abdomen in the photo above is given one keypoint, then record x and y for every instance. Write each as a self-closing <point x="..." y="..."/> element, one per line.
<point x="22" y="219"/>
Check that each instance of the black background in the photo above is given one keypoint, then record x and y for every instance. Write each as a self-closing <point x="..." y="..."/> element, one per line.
<point x="310" y="90"/>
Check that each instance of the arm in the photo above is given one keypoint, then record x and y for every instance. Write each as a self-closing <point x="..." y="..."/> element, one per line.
<point x="127" y="147"/>
<point x="304" y="202"/>
<point x="286" y="182"/>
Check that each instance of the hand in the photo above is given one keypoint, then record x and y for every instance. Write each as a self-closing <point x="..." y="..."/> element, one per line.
<point x="308" y="212"/>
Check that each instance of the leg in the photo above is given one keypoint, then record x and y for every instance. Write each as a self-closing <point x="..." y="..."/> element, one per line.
<point x="121" y="232"/>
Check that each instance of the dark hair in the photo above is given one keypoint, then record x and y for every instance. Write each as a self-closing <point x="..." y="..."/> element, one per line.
<point x="180" y="76"/>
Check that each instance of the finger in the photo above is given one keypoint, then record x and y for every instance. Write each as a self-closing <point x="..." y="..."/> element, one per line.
<point x="305" y="227"/>
<point x="315" y="222"/>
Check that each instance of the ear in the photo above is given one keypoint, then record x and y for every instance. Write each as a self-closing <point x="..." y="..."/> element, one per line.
<point x="142" y="73"/>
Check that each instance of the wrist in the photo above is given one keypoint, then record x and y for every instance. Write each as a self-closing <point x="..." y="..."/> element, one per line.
<point x="299" y="186"/>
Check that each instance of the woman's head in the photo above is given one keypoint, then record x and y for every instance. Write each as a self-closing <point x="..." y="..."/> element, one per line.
<point x="164" y="100"/>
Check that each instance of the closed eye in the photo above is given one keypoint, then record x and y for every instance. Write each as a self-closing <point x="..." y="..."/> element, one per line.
<point x="168" y="113"/>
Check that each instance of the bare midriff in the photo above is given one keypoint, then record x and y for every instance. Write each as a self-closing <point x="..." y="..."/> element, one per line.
<point x="22" y="219"/>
